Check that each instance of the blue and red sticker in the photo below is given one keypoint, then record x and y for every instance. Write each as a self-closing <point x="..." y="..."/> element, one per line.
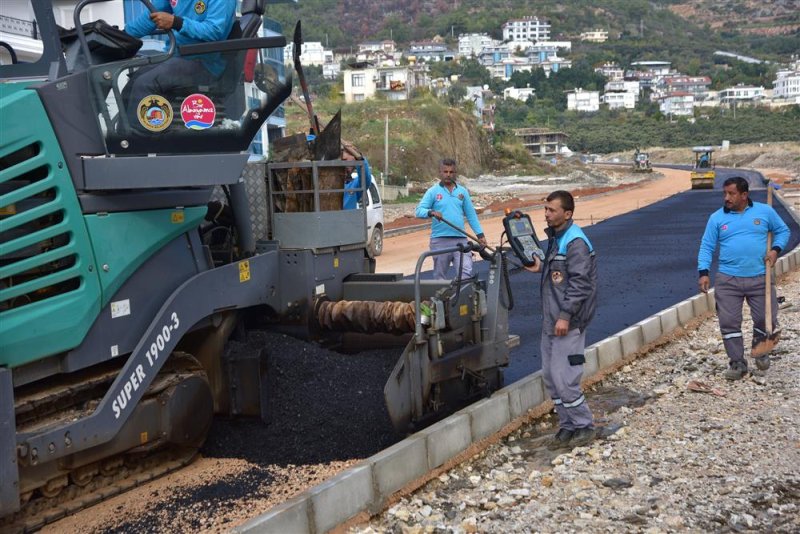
<point x="173" y="3"/>
<point x="198" y="112"/>
<point x="724" y="227"/>
<point x="439" y="196"/>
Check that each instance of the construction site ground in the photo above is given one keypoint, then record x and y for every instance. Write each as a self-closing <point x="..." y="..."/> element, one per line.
<point x="319" y="429"/>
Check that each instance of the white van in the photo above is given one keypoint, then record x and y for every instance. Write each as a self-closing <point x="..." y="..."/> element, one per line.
<point x="374" y="221"/>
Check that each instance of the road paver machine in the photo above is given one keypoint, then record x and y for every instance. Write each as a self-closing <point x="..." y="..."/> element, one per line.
<point x="129" y="255"/>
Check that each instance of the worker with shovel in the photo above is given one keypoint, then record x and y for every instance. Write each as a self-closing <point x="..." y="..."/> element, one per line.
<point x="448" y="203"/>
<point x="743" y="229"/>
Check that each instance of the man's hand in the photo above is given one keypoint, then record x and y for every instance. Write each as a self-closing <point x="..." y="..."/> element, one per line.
<point x="482" y="241"/>
<point x="536" y="267"/>
<point x="771" y="258"/>
<point x="435" y="214"/>
<point x="704" y="282"/>
<point x="162" y="20"/>
<point x="562" y="327"/>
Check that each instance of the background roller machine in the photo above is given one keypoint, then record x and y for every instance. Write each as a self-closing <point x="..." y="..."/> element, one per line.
<point x="129" y="256"/>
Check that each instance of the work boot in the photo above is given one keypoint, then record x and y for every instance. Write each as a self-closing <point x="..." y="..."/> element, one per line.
<point x="736" y="371"/>
<point x="560" y="439"/>
<point x="582" y="437"/>
<point x="762" y="362"/>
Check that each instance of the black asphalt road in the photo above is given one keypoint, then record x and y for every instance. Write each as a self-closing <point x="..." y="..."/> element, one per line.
<point x="647" y="261"/>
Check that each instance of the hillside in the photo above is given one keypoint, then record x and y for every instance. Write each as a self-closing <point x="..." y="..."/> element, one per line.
<point x="682" y="32"/>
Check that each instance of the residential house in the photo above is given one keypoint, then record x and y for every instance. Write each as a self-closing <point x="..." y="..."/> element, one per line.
<point x="360" y="82"/>
<point x="518" y="93"/>
<point x="595" y="36"/>
<point x="697" y="85"/>
<point x="471" y="44"/>
<point x="492" y="55"/>
<point x="677" y="104"/>
<point x="429" y="51"/>
<point x="611" y="71"/>
<point x="311" y="53"/>
<point x="619" y="100"/>
<point x="787" y="85"/>
<point x="741" y="94"/>
<point x="483" y="111"/>
<point x="585" y="101"/>
<point x="526" y="29"/>
<point x="658" y="68"/>
<point x="623" y="86"/>
<point x="542" y="142"/>
<point x="387" y="46"/>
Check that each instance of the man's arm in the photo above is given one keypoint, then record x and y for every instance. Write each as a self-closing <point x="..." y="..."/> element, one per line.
<point x="472" y="218"/>
<point x="579" y="284"/>
<point x="217" y="24"/>
<point x="780" y="231"/>
<point x="425" y="206"/>
<point x="143" y="25"/>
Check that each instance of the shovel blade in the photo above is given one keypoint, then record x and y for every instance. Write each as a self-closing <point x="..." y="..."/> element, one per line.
<point x="766" y="345"/>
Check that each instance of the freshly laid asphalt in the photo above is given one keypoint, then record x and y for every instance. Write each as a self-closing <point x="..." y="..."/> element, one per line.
<point x="646" y="259"/>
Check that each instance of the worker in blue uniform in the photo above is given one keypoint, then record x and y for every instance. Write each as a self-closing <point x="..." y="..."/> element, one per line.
<point x="450" y="202"/>
<point x="740" y="229"/>
<point x="192" y="21"/>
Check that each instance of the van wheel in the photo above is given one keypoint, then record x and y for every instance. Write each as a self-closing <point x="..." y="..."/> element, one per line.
<point x="376" y="243"/>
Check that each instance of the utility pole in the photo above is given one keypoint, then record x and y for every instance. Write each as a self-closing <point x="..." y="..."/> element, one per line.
<point x="385" y="156"/>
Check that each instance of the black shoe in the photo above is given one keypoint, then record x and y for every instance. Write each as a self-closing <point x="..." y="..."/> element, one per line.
<point x="560" y="439"/>
<point x="737" y="371"/>
<point x="762" y="362"/>
<point x="583" y="436"/>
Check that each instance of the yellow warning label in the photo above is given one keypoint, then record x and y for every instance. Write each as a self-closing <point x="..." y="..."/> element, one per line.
<point x="244" y="271"/>
<point x="142" y="438"/>
<point x="178" y="217"/>
<point x="11" y="209"/>
<point x="463" y="309"/>
<point x="335" y="263"/>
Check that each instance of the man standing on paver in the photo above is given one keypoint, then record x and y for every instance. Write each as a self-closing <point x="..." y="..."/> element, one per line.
<point x="448" y="201"/>
<point x="569" y="297"/>
<point x="740" y="228"/>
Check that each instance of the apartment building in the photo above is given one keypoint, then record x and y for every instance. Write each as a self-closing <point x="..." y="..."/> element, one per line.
<point x="696" y="85"/>
<point x="619" y="100"/>
<point x="677" y="104"/>
<point x="595" y="36"/>
<point x="471" y="44"/>
<point x="518" y="93"/>
<point x="526" y="29"/>
<point x="429" y="51"/>
<point x="311" y="53"/>
<point x="611" y="71"/>
<point x="584" y="101"/>
<point x="387" y="46"/>
<point x="541" y="141"/>
<point x="787" y="85"/>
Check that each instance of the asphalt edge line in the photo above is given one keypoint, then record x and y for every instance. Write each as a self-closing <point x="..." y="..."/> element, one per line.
<point x="353" y="495"/>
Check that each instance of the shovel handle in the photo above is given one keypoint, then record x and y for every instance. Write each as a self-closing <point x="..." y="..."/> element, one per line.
<point x="768" y="277"/>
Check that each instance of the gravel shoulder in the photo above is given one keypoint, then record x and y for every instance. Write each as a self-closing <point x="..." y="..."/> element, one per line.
<point x="670" y="459"/>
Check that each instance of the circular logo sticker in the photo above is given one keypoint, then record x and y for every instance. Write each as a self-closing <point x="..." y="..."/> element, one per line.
<point x="154" y="112"/>
<point x="461" y="196"/>
<point x="200" y="7"/>
<point x="756" y="221"/>
<point x="198" y="112"/>
<point x="557" y="277"/>
<point x="173" y="3"/>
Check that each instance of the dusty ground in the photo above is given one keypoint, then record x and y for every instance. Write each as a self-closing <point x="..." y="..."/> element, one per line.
<point x="400" y="253"/>
<point x="681" y="450"/>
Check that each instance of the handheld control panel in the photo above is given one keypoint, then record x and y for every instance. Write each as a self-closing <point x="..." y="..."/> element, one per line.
<point x="522" y="237"/>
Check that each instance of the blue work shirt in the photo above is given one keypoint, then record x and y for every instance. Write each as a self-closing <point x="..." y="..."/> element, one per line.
<point x="454" y="206"/>
<point x="352" y="194"/>
<point x="742" y="238"/>
<point x="203" y="21"/>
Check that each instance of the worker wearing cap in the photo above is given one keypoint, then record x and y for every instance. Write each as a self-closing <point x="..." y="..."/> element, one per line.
<point x="449" y="201"/>
<point x="740" y="228"/>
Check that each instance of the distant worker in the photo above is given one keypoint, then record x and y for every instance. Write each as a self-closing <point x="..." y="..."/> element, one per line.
<point x="353" y="179"/>
<point x="703" y="161"/>
<point x="569" y="298"/>
<point x="448" y="201"/>
<point x="740" y="228"/>
<point x="197" y="21"/>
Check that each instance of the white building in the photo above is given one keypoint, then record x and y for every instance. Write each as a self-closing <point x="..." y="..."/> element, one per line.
<point x="677" y="103"/>
<point x="619" y="100"/>
<point x="741" y="94"/>
<point x="787" y="85"/>
<point x="516" y="93"/>
<point x="585" y="101"/>
<point x="471" y="44"/>
<point x="360" y="83"/>
<point x="565" y="45"/>
<point x="656" y="68"/>
<point x="394" y="82"/>
<point x="595" y="36"/>
<point x="611" y="71"/>
<point x="387" y="46"/>
<point x="526" y="29"/>
<point x="311" y="53"/>
<point x="623" y="86"/>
